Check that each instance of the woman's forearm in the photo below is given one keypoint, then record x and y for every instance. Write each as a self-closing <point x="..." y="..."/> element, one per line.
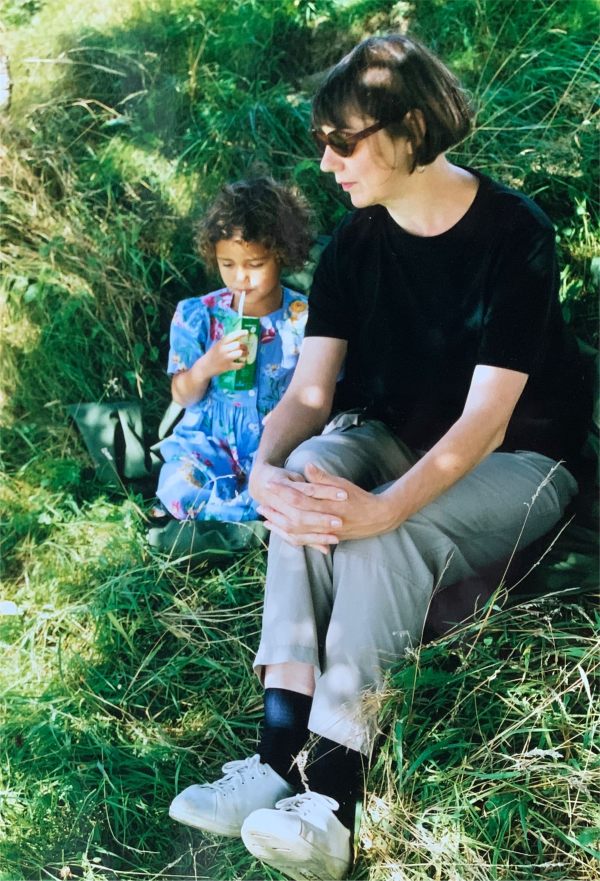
<point x="461" y="449"/>
<point x="291" y="422"/>
<point x="492" y="397"/>
<point x="303" y="410"/>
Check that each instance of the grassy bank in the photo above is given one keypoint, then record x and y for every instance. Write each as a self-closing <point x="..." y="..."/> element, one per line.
<point x="126" y="675"/>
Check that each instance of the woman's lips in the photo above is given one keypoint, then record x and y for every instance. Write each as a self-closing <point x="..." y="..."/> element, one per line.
<point x="346" y="185"/>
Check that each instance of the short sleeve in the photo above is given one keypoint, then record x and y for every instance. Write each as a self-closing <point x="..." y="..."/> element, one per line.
<point x="328" y="312"/>
<point x="522" y="287"/>
<point x="189" y="333"/>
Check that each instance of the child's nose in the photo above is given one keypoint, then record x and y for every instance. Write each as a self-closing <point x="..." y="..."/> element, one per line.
<point x="242" y="273"/>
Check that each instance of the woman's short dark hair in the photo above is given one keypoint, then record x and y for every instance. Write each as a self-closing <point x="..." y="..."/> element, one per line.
<point x="258" y="210"/>
<point x="385" y="78"/>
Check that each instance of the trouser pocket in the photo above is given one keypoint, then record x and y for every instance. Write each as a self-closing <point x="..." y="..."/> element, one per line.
<point x="345" y="420"/>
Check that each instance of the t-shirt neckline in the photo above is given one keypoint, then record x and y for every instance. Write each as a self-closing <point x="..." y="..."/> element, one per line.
<point x="468" y="219"/>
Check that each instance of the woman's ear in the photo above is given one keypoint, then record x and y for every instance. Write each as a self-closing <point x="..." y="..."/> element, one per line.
<point x="415" y="122"/>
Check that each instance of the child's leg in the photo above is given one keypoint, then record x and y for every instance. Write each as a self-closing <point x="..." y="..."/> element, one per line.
<point x="182" y="489"/>
<point x="204" y="483"/>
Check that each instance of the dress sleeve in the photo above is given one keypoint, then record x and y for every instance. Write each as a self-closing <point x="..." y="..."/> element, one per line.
<point x="189" y="335"/>
<point x="328" y="309"/>
<point x="522" y="292"/>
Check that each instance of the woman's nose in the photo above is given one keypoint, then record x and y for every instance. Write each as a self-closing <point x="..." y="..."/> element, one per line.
<point x="330" y="161"/>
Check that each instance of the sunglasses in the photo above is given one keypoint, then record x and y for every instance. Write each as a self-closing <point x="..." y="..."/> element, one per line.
<point x="341" y="144"/>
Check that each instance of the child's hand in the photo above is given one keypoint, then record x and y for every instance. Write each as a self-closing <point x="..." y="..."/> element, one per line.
<point x="229" y="353"/>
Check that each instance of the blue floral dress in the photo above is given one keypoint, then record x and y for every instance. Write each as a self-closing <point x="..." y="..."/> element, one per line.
<point x="210" y="453"/>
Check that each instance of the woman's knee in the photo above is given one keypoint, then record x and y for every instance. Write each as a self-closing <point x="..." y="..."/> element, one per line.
<point x="314" y="451"/>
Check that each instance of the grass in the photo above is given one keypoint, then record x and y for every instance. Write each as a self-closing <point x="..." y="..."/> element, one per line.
<point x="494" y="768"/>
<point x="126" y="675"/>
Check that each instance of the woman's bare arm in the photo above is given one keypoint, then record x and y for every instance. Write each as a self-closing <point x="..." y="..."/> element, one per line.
<point x="303" y="410"/>
<point x="301" y="413"/>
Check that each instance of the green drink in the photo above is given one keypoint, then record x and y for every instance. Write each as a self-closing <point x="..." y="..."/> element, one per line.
<point x="242" y="379"/>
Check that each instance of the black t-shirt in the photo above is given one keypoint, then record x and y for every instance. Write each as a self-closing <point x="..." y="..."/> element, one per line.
<point x="419" y="313"/>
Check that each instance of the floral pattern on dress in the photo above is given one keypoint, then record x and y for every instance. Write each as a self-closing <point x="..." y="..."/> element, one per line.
<point x="291" y="329"/>
<point x="210" y="453"/>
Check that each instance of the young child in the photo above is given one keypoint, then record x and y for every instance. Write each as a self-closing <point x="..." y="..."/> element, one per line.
<point x="252" y="229"/>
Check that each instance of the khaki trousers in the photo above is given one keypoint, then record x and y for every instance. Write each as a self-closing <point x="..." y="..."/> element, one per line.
<point x="353" y="613"/>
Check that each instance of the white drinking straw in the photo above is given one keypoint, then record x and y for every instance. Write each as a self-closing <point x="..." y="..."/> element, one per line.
<point x="241" y="305"/>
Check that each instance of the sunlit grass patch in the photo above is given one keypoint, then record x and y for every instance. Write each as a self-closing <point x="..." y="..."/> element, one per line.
<point x="99" y="707"/>
<point x="494" y="767"/>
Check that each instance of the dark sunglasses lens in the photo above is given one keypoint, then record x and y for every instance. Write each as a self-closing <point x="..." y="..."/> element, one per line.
<point x="337" y="142"/>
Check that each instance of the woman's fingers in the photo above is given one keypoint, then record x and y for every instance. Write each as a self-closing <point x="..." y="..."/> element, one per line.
<point x="317" y="541"/>
<point x="295" y="495"/>
<point x="297" y="522"/>
<point x="326" y="487"/>
<point x="322" y="491"/>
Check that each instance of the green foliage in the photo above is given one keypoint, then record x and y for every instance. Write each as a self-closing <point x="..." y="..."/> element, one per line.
<point x="104" y="664"/>
<point x="18" y="12"/>
<point x="126" y="677"/>
<point x="493" y="746"/>
<point x="127" y="117"/>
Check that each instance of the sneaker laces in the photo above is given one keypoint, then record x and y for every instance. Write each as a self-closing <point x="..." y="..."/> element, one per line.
<point x="235" y="772"/>
<point x="306" y="801"/>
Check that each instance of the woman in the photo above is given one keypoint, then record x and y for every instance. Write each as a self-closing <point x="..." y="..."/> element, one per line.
<point x="462" y="393"/>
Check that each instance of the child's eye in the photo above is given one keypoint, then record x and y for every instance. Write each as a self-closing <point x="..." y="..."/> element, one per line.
<point x="257" y="265"/>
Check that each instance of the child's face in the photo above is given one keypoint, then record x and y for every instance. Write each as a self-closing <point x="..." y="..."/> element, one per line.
<point x="250" y="267"/>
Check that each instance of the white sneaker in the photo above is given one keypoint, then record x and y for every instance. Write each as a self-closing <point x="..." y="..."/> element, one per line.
<point x="223" y="806"/>
<point x="302" y="837"/>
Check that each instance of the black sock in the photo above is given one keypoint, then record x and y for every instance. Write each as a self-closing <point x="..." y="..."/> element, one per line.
<point x="284" y="732"/>
<point x="334" y="770"/>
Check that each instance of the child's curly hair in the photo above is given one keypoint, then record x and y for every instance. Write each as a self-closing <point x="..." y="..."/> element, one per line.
<point x="258" y="210"/>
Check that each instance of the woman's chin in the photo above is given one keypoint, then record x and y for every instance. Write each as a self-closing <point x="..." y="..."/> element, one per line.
<point x="359" y="200"/>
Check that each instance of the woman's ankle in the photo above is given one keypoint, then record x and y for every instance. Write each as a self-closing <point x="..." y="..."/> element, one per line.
<point x="284" y="731"/>
<point x="292" y="676"/>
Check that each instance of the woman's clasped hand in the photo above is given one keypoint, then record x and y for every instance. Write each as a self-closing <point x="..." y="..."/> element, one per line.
<point x="320" y="509"/>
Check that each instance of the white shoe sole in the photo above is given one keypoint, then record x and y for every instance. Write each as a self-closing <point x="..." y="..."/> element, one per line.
<point x="205" y="824"/>
<point x="304" y="863"/>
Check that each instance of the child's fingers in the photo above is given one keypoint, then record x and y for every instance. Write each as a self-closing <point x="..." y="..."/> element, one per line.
<point x="235" y="334"/>
<point x="235" y="347"/>
<point x="235" y="357"/>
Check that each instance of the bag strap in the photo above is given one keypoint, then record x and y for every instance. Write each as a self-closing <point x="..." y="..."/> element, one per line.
<point x="113" y="436"/>
<point x="170" y="419"/>
<point x="136" y="461"/>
